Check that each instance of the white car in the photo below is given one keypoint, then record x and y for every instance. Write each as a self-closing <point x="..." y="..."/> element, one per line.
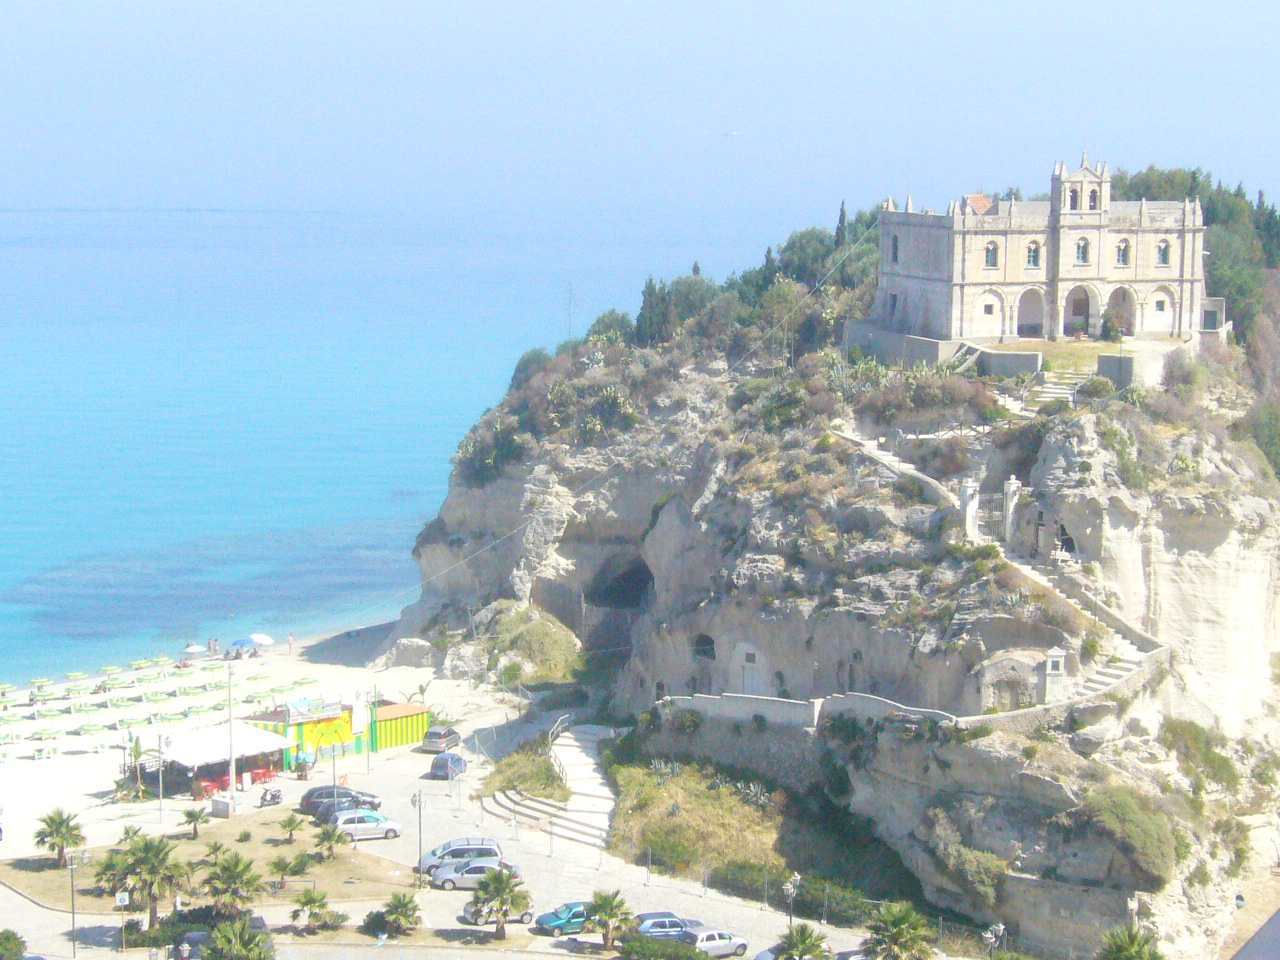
<point x="714" y="943"/>
<point x="365" y="825"/>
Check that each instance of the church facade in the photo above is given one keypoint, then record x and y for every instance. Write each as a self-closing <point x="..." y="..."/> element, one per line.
<point x="1000" y="269"/>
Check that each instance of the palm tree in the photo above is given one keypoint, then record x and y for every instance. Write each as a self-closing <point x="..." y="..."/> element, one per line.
<point x="154" y="871"/>
<point x="802" y="942"/>
<point x="58" y="831"/>
<point x="420" y="694"/>
<point x="232" y="882"/>
<point x="301" y="864"/>
<point x="501" y="893"/>
<point x="236" y="940"/>
<point x="214" y="851"/>
<point x="898" y="932"/>
<point x="608" y="913"/>
<point x="280" y="866"/>
<point x="1129" y="943"/>
<point x="329" y="839"/>
<point x="112" y="871"/>
<point x="127" y="835"/>
<point x="195" y="818"/>
<point x="292" y="824"/>
<point x="313" y="903"/>
<point x="402" y="914"/>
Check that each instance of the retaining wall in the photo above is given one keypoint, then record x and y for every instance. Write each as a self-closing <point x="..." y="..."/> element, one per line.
<point x="1002" y="363"/>
<point x="787" y="755"/>
<point x="890" y="347"/>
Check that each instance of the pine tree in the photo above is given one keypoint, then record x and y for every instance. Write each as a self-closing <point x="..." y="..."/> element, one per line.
<point x="842" y="227"/>
<point x="652" y="316"/>
<point x="697" y="269"/>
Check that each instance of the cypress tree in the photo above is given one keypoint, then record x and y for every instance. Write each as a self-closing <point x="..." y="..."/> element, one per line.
<point x="842" y="227"/>
<point x="652" y="313"/>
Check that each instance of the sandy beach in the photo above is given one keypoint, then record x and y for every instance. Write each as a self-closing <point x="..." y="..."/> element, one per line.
<point x="69" y="753"/>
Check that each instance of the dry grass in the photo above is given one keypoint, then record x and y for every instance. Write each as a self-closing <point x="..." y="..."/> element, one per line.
<point x="517" y="937"/>
<point x="352" y="874"/>
<point x="530" y="771"/>
<point x="1066" y="354"/>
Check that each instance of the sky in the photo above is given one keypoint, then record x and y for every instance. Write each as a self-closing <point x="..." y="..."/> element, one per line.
<point x="739" y="114"/>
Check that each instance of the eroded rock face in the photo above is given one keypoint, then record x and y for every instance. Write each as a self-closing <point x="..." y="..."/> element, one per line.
<point x="1195" y="561"/>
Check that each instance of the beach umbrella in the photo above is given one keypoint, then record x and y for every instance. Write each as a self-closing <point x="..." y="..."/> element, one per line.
<point x="7" y="688"/>
<point x="139" y="664"/>
<point x="14" y="718"/>
<point x="173" y="717"/>
<point x="91" y="728"/>
<point x="191" y="691"/>
<point x="128" y="722"/>
<point x="119" y="702"/>
<point x="199" y="710"/>
<point x="115" y="683"/>
<point x="261" y="639"/>
<point x="88" y="708"/>
<point x="76" y="675"/>
<point x="219" y="685"/>
<point x="45" y="733"/>
<point x="7" y="701"/>
<point x="48" y="713"/>
<point x="210" y="667"/>
<point x="194" y="648"/>
<point x="41" y="695"/>
<point x="109" y="671"/>
<point x="304" y="681"/>
<point x="242" y="642"/>
<point x="149" y="678"/>
<point x="258" y="678"/>
<point x="157" y="696"/>
<point x="79" y="689"/>
<point x="282" y="688"/>
<point x="40" y="682"/>
<point x="257" y="697"/>
<point x="182" y="672"/>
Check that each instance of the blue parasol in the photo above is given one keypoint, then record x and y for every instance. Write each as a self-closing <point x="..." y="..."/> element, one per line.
<point x="244" y="642"/>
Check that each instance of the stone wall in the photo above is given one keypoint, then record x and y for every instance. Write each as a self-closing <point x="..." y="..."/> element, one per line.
<point x="789" y="756"/>
<point x="889" y="347"/>
<point x="1051" y="914"/>
<point x="999" y="363"/>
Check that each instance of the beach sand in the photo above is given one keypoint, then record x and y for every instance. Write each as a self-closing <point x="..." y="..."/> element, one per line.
<point x="80" y="775"/>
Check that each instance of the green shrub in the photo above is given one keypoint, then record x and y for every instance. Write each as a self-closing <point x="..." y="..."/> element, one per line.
<point x="1197" y="749"/>
<point x="244" y="836"/>
<point x="1029" y="751"/>
<point x="759" y="722"/>
<point x="1095" y="388"/>
<point x="844" y="906"/>
<point x="565" y="697"/>
<point x="1137" y="828"/>
<point x="634" y="946"/>
<point x="674" y="845"/>
<point x="908" y="491"/>
<point x="686" y="722"/>
<point x="12" y="946"/>
<point x="1054" y="408"/>
<point x="977" y="871"/>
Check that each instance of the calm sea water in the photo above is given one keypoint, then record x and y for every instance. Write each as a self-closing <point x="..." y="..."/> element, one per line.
<point x="213" y="423"/>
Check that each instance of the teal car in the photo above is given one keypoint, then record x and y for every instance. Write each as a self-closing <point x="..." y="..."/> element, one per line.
<point x="566" y="918"/>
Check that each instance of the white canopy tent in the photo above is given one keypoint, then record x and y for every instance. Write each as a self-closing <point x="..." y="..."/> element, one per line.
<point x="194" y="748"/>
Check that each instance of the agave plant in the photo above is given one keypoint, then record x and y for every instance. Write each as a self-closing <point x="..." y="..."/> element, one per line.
<point x="755" y="794"/>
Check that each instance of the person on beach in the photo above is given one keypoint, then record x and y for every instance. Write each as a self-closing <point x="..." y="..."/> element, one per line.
<point x="291" y="644"/>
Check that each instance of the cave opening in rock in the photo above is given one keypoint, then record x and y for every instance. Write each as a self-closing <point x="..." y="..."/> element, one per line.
<point x="622" y="582"/>
<point x="1066" y="541"/>
<point x="704" y="646"/>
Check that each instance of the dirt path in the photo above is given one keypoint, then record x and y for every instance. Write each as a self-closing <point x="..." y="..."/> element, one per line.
<point x="1261" y="900"/>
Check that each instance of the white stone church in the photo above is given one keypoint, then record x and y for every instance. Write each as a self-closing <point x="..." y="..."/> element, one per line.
<point x="998" y="269"/>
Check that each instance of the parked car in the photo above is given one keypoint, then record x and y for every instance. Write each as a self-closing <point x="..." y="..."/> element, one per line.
<point x="567" y="918"/>
<point x="463" y="848"/>
<point x="327" y="808"/>
<point x="365" y="824"/>
<point x="662" y="925"/>
<point x="318" y="795"/>
<point x="475" y="915"/>
<point x="447" y="766"/>
<point x="715" y="943"/>
<point x="439" y="739"/>
<point x="466" y="874"/>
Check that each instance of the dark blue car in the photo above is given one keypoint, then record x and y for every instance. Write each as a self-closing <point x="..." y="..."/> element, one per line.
<point x="446" y="766"/>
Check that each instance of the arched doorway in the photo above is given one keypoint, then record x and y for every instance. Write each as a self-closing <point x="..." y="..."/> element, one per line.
<point x="1079" y="312"/>
<point x="1161" y="313"/>
<point x="1031" y="314"/>
<point x="1121" y="307"/>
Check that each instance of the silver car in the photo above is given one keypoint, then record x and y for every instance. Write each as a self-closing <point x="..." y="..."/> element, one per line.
<point x="365" y="824"/>
<point x="466" y="874"/>
<point x="715" y="943"/>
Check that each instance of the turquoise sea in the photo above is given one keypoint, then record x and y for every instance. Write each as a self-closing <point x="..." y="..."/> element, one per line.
<point x="217" y="422"/>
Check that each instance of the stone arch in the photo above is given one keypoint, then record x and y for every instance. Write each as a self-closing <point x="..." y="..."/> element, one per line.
<point x="990" y="313"/>
<point x="1080" y="310"/>
<point x="622" y="582"/>
<point x="1161" y="320"/>
<point x="1031" y="313"/>
<point x="1123" y="302"/>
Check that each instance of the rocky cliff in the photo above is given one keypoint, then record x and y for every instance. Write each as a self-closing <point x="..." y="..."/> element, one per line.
<point x="698" y="520"/>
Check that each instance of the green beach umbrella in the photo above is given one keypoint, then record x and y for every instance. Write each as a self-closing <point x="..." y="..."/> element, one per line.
<point x="210" y="667"/>
<point x="149" y="678"/>
<point x="191" y="691"/>
<point x="257" y="697"/>
<point x="115" y="683"/>
<point x="219" y="685"/>
<point x="12" y="718"/>
<point x="8" y="701"/>
<point x="162" y="660"/>
<point x="79" y="689"/>
<point x="48" y="713"/>
<point x="7" y="688"/>
<point x="77" y="675"/>
<point x="109" y="671"/>
<point x="282" y="688"/>
<point x="199" y="710"/>
<point x="128" y="722"/>
<point x="305" y="681"/>
<point x="182" y="672"/>
<point x="39" y="682"/>
<point x="89" y="728"/>
<point x="40" y="695"/>
<point x="157" y="696"/>
<point x="45" y="733"/>
<point x="173" y="717"/>
<point x="258" y="678"/>
<point x="139" y="664"/>
<point x="119" y="702"/>
<point x="87" y="708"/>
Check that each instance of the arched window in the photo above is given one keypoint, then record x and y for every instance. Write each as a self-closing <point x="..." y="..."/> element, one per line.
<point x="1082" y="250"/>
<point x="1122" y="253"/>
<point x="1093" y="199"/>
<point x="1162" y="253"/>
<point x="993" y="254"/>
<point x="1075" y="199"/>
<point x="1033" y="254"/>
<point x="893" y="249"/>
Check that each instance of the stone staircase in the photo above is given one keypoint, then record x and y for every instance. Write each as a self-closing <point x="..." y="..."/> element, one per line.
<point x="585" y="817"/>
<point x="1118" y="659"/>
<point x="1057" y="385"/>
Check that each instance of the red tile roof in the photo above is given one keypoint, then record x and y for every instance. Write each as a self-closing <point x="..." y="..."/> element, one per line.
<point x="979" y="203"/>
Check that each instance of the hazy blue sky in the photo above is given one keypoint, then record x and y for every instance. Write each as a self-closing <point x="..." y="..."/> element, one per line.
<point x="615" y="108"/>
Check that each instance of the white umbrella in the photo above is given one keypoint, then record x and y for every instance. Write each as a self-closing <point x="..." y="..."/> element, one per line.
<point x="195" y="648"/>
<point x="261" y="639"/>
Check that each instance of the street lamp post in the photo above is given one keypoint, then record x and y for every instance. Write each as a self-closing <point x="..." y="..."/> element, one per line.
<point x="161" y="743"/>
<point x="71" y="871"/>
<point x="790" y="889"/>
<point x="416" y="800"/>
